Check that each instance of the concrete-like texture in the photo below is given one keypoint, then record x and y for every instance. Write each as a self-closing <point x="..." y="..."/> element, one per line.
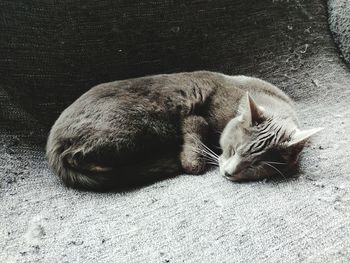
<point x="192" y="218"/>
<point x="339" y="23"/>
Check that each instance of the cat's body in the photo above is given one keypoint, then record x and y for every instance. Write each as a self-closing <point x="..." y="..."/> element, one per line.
<point x="126" y="130"/>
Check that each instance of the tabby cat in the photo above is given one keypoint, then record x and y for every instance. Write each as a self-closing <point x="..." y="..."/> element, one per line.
<point x="139" y="130"/>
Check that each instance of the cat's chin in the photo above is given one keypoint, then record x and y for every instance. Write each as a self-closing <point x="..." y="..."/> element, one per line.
<point x="233" y="179"/>
<point x="245" y="176"/>
<point x="237" y="177"/>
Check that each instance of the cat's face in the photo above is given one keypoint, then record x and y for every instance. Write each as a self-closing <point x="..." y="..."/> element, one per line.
<point x="257" y="146"/>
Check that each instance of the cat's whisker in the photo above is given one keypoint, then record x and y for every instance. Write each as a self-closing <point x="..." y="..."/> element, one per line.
<point x="275" y="162"/>
<point x="276" y="169"/>
<point x="203" y="145"/>
<point x="209" y="159"/>
<point x="210" y="150"/>
<point x="205" y="156"/>
<point x="204" y="152"/>
<point x="256" y="172"/>
<point x="212" y="156"/>
<point x="217" y="147"/>
<point x="214" y="164"/>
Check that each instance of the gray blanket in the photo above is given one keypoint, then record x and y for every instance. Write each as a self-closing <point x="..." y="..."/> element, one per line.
<point x="339" y="23"/>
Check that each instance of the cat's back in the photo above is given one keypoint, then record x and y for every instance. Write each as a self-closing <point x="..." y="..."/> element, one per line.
<point x="160" y="84"/>
<point x="164" y="96"/>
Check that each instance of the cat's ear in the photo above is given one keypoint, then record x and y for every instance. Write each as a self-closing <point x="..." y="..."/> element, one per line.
<point x="300" y="137"/>
<point x="297" y="142"/>
<point x="253" y="113"/>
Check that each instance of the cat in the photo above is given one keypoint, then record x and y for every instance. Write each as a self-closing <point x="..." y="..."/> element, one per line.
<point x="141" y="129"/>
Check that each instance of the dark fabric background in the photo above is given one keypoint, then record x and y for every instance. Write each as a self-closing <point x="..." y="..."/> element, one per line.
<point x="53" y="51"/>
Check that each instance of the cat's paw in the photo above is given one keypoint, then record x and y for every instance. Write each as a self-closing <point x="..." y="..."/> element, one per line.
<point x="192" y="163"/>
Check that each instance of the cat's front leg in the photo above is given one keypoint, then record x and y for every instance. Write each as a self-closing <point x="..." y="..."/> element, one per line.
<point x="194" y="130"/>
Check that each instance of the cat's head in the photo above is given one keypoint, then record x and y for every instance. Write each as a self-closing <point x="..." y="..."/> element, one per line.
<point x="258" y="145"/>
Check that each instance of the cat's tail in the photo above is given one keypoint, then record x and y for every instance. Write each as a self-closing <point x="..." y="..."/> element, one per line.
<point x="63" y="163"/>
<point x="66" y="163"/>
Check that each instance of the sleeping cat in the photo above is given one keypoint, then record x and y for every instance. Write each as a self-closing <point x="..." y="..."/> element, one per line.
<point x="138" y="130"/>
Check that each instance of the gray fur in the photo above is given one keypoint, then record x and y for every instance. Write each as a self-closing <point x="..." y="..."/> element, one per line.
<point x="134" y="128"/>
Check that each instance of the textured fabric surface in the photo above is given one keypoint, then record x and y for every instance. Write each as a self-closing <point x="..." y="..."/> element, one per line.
<point x="187" y="218"/>
<point x="339" y="23"/>
<point x="52" y="51"/>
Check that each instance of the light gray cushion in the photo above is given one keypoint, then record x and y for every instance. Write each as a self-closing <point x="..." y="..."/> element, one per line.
<point x="339" y="23"/>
